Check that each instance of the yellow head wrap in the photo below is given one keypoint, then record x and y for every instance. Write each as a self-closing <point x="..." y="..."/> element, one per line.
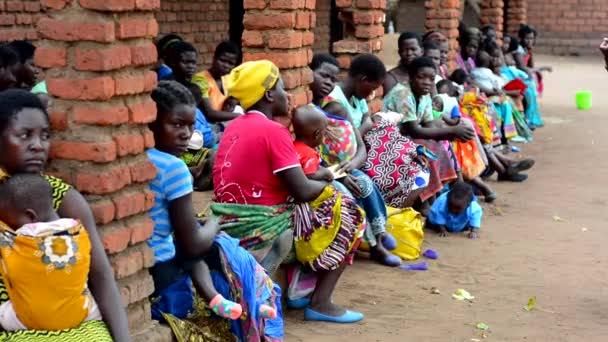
<point x="251" y="80"/>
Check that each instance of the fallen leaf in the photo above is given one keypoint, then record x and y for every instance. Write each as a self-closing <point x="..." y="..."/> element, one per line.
<point x="482" y="326"/>
<point x="558" y="219"/>
<point x="435" y="290"/>
<point x="531" y="304"/>
<point x="462" y="294"/>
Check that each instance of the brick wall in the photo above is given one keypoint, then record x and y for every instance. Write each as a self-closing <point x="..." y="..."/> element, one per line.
<point x="443" y="15"/>
<point x="97" y="55"/>
<point x="205" y="23"/>
<point x="322" y="28"/>
<point x="569" y="26"/>
<point x="18" y="19"/>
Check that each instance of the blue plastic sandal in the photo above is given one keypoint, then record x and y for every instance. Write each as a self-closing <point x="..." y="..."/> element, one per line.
<point x="298" y="304"/>
<point x="388" y="241"/>
<point x="347" y="317"/>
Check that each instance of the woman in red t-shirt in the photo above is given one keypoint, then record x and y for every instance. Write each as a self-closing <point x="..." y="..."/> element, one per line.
<point x="262" y="194"/>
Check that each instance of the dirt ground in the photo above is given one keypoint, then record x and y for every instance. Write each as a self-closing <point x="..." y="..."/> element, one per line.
<point x="523" y="250"/>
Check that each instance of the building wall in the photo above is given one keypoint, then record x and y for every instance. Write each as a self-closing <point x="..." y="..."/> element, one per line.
<point x="205" y="23"/>
<point x="569" y="26"/>
<point x="322" y="29"/>
<point x="18" y="19"/>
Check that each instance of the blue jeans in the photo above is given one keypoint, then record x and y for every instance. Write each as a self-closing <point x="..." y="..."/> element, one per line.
<point x="372" y="203"/>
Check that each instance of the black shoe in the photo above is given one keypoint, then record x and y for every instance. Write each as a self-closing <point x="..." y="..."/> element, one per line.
<point x="522" y="165"/>
<point x="518" y="177"/>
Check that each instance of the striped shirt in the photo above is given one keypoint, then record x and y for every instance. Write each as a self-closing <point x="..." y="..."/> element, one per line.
<point x="173" y="180"/>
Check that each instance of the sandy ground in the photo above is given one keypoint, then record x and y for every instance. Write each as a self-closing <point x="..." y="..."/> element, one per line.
<point x="523" y="251"/>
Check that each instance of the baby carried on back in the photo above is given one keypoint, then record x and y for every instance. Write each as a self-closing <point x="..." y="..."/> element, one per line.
<point x="45" y="260"/>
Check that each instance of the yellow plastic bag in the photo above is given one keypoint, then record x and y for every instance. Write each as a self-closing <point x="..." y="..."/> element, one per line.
<point x="406" y="227"/>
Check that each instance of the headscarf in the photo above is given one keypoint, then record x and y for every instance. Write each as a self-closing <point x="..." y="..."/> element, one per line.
<point x="251" y="80"/>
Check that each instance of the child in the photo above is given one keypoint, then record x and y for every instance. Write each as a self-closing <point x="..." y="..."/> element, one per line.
<point x="46" y="260"/>
<point x="432" y="51"/>
<point x="410" y="48"/>
<point x="172" y="131"/>
<point x="309" y="126"/>
<point x="456" y="211"/>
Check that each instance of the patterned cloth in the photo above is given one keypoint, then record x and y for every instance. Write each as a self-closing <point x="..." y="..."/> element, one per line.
<point x="391" y="162"/>
<point x="340" y="142"/>
<point x="327" y="230"/>
<point x="38" y="254"/>
<point x="87" y="331"/>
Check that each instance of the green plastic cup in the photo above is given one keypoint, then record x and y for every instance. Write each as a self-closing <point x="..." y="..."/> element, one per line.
<point x="584" y="99"/>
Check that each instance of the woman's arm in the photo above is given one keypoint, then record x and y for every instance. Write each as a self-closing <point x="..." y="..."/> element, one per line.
<point x="213" y="115"/>
<point x="301" y="188"/>
<point x="101" y="280"/>
<point x="430" y="131"/>
<point x="189" y="236"/>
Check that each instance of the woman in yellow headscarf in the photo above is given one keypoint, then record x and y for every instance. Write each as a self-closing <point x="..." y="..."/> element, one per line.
<point x="263" y="196"/>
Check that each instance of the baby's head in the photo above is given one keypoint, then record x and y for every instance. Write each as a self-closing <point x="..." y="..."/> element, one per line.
<point x="26" y="198"/>
<point x="230" y="104"/>
<point x="459" y="197"/>
<point x="459" y="76"/>
<point x="309" y="125"/>
<point x="438" y="103"/>
<point x="445" y="87"/>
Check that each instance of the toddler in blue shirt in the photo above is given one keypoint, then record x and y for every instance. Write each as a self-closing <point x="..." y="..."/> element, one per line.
<point x="456" y="211"/>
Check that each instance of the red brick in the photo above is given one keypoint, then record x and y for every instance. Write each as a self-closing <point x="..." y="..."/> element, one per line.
<point x="50" y="57"/>
<point x="252" y="39"/>
<point x="58" y="120"/>
<point x="144" y="54"/>
<point x="138" y="315"/>
<point x="102" y="59"/>
<point x="139" y="286"/>
<point x="23" y="19"/>
<point x="308" y="38"/>
<point x="32" y="6"/>
<point x="142" y="171"/>
<point x="369" y="31"/>
<point x="74" y="30"/>
<point x="152" y="28"/>
<point x="311" y="4"/>
<point x="14" y="6"/>
<point x="108" y="5"/>
<point x="306" y="76"/>
<point x="258" y="21"/>
<point x="287" y="40"/>
<point x="299" y="98"/>
<point x="129" y="143"/>
<point x="254" y="4"/>
<point x="54" y="4"/>
<point x="103" y="181"/>
<point x="101" y="114"/>
<point x="142" y="112"/>
<point x="99" y="88"/>
<point x="103" y="211"/>
<point x="450" y="3"/>
<point x="132" y="28"/>
<point x="283" y="60"/>
<point x="127" y="262"/>
<point x="129" y="203"/>
<point x="150" y="79"/>
<point x="130" y="84"/>
<point x="287" y="4"/>
<point x="101" y="152"/>
<point x="115" y="238"/>
<point x="291" y="78"/>
<point x="7" y="19"/>
<point x="150" y="198"/>
<point x="148" y="256"/>
<point x="344" y="3"/>
<point x="141" y="230"/>
<point x="368" y="17"/>
<point x="147" y="5"/>
<point x="344" y="62"/>
<point x="352" y="46"/>
<point x="149" y="139"/>
<point x="303" y="20"/>
<point x="371" y="4"/>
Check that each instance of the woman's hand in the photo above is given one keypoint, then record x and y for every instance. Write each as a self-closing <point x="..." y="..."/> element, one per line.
<point x="346" y="166"/>
<point x="463" y="132"/>
<point x="350" y="182"/>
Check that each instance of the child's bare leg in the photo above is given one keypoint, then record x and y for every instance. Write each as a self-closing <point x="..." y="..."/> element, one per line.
<point x="201" y="279"/>
<point x="495" y="162"/>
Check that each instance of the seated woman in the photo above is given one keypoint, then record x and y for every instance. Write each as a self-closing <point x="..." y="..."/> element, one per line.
<point x="524" y="60"/>
<point x="410" y="48"/>
<point x="413" y="102"/>
<point x="343" y="145"/>
<point x="225" y="275"/>
<point x="262" y="193"/>
<point x="24" y="142"/>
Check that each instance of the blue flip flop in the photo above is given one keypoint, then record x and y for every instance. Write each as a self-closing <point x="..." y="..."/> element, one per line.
<point x="299" y="303"/>
<point x="388" y="241"/>
<point x="347" y="317"/>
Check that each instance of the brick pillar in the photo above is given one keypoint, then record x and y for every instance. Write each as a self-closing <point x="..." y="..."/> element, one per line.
<point x="363" y="28"/>
<point x="280" y="31"/>
<point x="97" y="55"/>
<point x="492" y="14"/>
<point x="517" y="13"/>
<point x="444" y="15"/>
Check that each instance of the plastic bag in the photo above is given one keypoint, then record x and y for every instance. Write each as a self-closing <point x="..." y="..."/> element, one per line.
<point x="405" y="225"/>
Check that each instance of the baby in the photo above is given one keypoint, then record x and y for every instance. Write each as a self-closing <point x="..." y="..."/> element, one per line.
<point x="456" y="211"/>
<point x="45" y="260"/>
<point x="309" y="126"/>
